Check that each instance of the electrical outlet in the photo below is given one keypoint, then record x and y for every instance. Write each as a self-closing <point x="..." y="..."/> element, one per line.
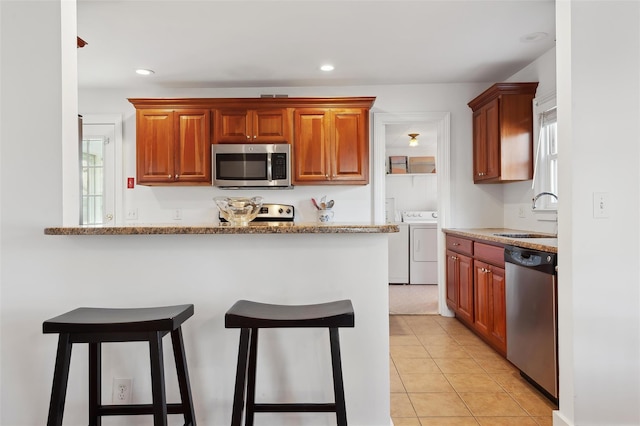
<point x="521" y="212"/>
<point x="132" y="214"/>
<point x="177" y="214"/>
<point x="121" y="391"/>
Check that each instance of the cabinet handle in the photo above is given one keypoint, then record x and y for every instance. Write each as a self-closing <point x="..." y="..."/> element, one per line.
<point x="169" y="176"/>
<point x="254" y="136"/>
<point x="248" y="137"/>
<point x="176" y="176"/>
<point x="455" y="244"/>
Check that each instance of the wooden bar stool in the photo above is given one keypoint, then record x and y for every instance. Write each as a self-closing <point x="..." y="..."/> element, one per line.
<point x="251" y="316"/>
<point x="97" y="325"/>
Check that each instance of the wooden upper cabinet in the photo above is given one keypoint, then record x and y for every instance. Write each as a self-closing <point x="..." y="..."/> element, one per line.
<point x="173" y="146"/>
<point x="311" y="152"/>
<point x="503" y="133"/>
<point x="193" y="155"/>
<point x="330" y="136"/>
<point x="267" y="125"/>
<point x="331" y="146"/>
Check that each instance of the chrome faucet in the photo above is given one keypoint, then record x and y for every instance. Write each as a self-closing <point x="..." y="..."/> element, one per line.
<point x="535" y="199"/>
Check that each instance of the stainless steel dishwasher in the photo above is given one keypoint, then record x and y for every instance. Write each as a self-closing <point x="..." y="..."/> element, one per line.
<point x="531" y="292"/>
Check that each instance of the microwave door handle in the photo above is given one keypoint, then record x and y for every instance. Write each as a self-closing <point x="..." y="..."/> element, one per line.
<point x="269" y="172"/>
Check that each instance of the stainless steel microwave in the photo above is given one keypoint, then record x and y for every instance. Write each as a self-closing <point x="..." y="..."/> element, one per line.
<point x="251" y="165"/>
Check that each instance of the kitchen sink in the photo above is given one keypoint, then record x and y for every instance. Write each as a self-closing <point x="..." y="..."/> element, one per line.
<point x="524" y="235"/>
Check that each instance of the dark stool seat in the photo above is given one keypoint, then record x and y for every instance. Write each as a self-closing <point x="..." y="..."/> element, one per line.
<point x="97" y="325"/>
<point x="250" y="316"/>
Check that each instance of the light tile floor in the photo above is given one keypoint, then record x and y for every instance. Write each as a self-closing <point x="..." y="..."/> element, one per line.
<point x="444" y="375"/>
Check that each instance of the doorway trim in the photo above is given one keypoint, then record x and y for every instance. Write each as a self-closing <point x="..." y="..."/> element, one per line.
<point x="442" y="123"/>
<point x="116" y="121"/>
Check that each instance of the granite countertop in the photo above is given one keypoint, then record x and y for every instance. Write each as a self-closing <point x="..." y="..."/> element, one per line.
<point x="255" y="228"/>
<point x="548" y="242"/>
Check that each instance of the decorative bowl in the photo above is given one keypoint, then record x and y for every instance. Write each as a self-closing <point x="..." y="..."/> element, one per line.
<point x="239" y="211"/>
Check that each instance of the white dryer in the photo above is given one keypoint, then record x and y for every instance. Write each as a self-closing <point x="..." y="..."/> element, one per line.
<point x="423" y="246"/>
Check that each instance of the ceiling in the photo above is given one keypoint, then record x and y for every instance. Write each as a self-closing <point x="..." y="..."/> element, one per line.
<point x="279" y="44"/>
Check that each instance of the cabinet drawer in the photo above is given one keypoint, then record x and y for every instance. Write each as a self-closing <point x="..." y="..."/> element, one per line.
<point x="490" y="254"/>
<point x="460" y="245"/>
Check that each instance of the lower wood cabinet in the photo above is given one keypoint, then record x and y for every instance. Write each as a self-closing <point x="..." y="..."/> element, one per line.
<point x="489" y="303"/>
<point x="476" y="288"/>
<point x="460" y="285"/>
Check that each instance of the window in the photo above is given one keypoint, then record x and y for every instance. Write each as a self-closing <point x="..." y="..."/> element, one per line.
<point x="101" y="138"/>
<point x="545" y="178"/>
<point x="93" y="184"/>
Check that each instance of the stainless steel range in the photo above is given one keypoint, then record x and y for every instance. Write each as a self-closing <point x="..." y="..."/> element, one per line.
<point x="272" y="214"/>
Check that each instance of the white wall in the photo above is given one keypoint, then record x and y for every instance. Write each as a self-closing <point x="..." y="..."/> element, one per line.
<point x="599" y="300"/>
<point x="353" y="203"/>
<point x="518" y="195"/>
<point x="599" y="280"/>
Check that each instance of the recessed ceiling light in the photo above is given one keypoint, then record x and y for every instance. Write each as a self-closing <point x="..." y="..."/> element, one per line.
<point x="327" y="67"/>
<point x="145" y="72"/>
<point x="533" y="37"/>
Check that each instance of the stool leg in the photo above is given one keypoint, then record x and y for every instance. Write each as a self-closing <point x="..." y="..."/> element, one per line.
<point x="251" y="379"/>
<point x="241" y="375"/>
<point x="60" y="378"/>
<point x="338" y="386"/>
<point x="157" y="380"/>
<point x="183" y="377"/>
<point x="95" y="383"/>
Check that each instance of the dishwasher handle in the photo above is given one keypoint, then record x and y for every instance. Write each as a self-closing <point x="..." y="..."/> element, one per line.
<point x="533" y="259"/>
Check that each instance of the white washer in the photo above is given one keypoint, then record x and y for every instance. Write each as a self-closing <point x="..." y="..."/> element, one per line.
<point x="399" y="255"/>
<point x="423" y="246"/>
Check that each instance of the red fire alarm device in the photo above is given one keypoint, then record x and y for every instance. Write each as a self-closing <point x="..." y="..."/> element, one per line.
<point x="130" y="182"/>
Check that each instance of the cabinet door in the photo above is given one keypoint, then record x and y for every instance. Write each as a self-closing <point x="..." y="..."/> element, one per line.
<point x="498" y="309"/>
<point x="490" y="306"/>
<point x="492" y="118"/>
<point x="453" y="272"/>
<point x="486" y="142"/>
<point x="349" y="152"/>
<point x="155" y="146"/>
<point x="270" y="126"/>
<point x="310" y="150"/>
<point x="232" y="126"/>
<point x="241" y="125"/>
<point x="482" y="297"/>
<point x="465" y="288"/>
<point x="193" y="151"/>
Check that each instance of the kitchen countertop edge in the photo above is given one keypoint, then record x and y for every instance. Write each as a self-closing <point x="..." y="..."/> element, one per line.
<point x="302" y="228"/>
<point x="487" y="234"/>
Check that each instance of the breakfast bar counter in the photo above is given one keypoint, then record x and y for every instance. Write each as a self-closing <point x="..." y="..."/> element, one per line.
<point x="225" y="228"/>
<point x="212" y="266"/>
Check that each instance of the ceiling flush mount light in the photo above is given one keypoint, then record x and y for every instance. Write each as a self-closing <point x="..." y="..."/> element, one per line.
<point x="413" y="141"/>
<point x="327" y="67"/>
<point x="142" y="71"/>
<point x="529" y="38"/>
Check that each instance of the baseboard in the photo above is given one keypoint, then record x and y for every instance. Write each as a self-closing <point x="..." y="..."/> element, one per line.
<point x="560" y="420"/>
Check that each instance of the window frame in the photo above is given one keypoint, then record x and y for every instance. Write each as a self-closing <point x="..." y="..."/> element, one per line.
<point x="545" y="177"/>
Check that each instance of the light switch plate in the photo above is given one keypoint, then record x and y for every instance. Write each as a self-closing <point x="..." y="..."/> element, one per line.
<point x="600" y="205"/>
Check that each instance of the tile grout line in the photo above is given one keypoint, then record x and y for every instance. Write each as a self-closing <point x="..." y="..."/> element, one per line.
<point x="408" y="325"/>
